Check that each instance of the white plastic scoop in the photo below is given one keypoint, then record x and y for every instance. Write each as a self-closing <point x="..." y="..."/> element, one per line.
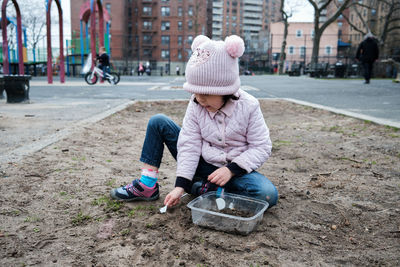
<point x="220" y="201"/>
<point x="164" y="209"/>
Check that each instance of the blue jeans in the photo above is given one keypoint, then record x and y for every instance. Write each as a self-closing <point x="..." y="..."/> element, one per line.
<point x="105" y="69"/>
<point x="162" y="130"/>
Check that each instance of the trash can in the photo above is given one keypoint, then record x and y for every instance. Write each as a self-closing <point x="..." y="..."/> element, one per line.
<point x="340" y="70"/>
<point x="17" y="88"/>
<point x="1" y="87"/>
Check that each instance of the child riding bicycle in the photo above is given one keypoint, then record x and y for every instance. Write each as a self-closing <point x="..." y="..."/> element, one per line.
<point x="104" y="61"/>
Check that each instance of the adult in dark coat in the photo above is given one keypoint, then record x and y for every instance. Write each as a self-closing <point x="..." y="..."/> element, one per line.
<point x="368" y="53"/>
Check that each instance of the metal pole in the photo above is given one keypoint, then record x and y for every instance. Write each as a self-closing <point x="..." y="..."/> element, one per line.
<point x="61" y="29"/>
<point x="6" y="52"/>
<point x="169" y="57"/>
<point x="305" y="49"/>
<point x="82" y="43"/>
<point x="66" y="46"/>
<point x="49" y="57"/>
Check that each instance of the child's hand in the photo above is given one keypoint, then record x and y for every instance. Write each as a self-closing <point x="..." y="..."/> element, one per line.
<point x="220" y="176"/>
<point x="174" y="196"/>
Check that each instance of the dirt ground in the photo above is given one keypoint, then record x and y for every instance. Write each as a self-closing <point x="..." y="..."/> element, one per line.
<point x="339" y="205"/>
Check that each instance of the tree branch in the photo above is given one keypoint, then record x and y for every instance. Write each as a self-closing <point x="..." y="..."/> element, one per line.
<point x="352" y="25"/>
<point x="335" y="16"/>
<point x="393" y="28"/>
<point x="324" y="6"/>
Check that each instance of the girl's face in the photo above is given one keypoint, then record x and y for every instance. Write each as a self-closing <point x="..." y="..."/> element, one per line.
<point x="210" y="102"/>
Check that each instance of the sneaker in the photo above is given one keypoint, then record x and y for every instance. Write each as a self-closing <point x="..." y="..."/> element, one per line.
<point x="136" y="191"/>
<point x="199" y="188"/>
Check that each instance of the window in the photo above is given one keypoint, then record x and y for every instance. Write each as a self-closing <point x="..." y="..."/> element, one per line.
<point x="312" y="33"/>
<point x="130" y="39"/>
<point x="180" y="12"/>
<point x="291" y="50"/>
<point x="190" y="24"/>
<point x="302" y="51"/>
<point x="108" y="7"/>
<point x="328" y="49"/>
<point x="165" y="11"/>
<point x="189" y="52"/>
<point x="179" y="54"/>
<point x="147" y="25"/>
<point x="147" y="52"/>
<point x="165" y="54"/>
<point x="165" y="39"/>
<point x="299" y="33"/>
<point x="147" y="10"/>
<point x="180" y="40"/>
<point x="340" y="25"/>
<point x="190" y="39"/>
<point x="165" y="25"/>
<point x="190" y="11"/>
<point x="147" y="39"/>
<point x="180" y="25"/>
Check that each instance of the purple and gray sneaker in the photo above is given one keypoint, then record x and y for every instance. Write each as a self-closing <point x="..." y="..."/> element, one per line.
<point x="135" y="191"/>
<point x="199" y="188"/>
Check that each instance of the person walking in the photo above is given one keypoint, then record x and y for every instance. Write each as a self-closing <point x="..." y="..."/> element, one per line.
<point x="368" y="53"/>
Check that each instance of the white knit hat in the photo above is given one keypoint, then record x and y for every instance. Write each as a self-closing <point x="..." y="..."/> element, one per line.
<point x="213" y="67"/>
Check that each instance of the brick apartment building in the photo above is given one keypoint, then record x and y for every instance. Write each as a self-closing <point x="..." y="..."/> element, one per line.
<point x="163" y="31"/>
<point x="117" y="10"/>
<point x="373" y="15"/>
<point x="160" y="32"/>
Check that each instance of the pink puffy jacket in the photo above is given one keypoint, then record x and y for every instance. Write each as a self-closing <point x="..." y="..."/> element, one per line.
<point x="236" y="133"/>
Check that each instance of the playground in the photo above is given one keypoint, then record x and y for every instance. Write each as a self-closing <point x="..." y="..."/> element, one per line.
<point x="337" y="179"/>
<point x="50" y="61"/>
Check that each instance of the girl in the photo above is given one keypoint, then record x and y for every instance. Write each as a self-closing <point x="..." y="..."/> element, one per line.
<point x="223" y="139"/>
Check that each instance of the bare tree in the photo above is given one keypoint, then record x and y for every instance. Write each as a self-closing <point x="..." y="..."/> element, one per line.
<point x="285" y="17"/>
<point x="35" y="30"/>
<point x="287" y="8"/>
<point x="319" y="27"/>
<point x="197" y="13"/>
<point x="33" y="16"/>
<point x="11" y="28"/>
<point x="390" y="18"/>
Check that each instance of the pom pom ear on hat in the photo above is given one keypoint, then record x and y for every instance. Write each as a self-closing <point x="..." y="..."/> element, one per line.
<point x="234" y="45"/>
<point x="198" y="41"/>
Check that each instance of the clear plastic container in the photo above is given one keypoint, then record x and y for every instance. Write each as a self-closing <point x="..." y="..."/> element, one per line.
<point x="241" y="214"/>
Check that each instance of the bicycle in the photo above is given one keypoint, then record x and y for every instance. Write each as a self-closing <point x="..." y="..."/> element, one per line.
<point x="92" y="76"/>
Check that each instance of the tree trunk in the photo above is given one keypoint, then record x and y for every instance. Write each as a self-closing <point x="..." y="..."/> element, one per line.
<point x="315" y="50"/>
<point x="282" y="56"/>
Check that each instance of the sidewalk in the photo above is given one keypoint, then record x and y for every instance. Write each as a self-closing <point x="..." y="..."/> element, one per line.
<point x="56" y="108"/>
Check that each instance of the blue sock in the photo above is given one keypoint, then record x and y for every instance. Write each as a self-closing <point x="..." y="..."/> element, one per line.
<point x="148" y="181"/>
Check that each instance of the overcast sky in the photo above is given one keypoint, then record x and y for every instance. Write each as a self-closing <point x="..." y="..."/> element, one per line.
<point x="303" y="11"/>
<point x="65" y="4"/>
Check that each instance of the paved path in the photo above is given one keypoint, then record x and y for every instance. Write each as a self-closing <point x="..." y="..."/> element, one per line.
<point x="56" y="109"/>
